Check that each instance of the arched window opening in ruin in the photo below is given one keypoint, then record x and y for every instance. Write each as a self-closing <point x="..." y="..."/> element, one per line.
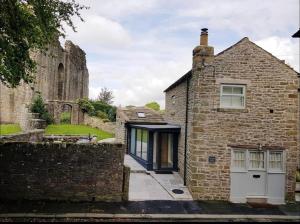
<point x="60" y="84"/>
<point x="66" y="115"/>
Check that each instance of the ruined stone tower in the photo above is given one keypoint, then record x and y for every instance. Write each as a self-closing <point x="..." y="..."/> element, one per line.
<point x="61" y="78"/>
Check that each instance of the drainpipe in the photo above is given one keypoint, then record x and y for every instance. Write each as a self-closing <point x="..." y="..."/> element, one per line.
<point x="186" y="129"/>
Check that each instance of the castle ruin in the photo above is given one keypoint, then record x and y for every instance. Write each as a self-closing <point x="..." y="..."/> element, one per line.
<point x="61" y="78"/>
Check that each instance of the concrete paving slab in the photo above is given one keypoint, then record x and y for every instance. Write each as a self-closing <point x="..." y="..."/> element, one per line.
<point x="135" y="167"/>
<point x="147" y="185"/>
<point x="144" y="187"/>
<point x="170" y="182"/>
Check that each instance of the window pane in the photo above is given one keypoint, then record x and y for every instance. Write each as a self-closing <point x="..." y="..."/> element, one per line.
<point x="238" y="90"/>
<point x="170" y="150"/>
<point x="276" y="161"/>
<point x="226" y="101"/>
<point x="257" y="160"/>
<point x="237" y="101"/>
<point x="144" y="144"/>
<point x="227" y="90"/>
<point x="132" y="141"/>
<point x="232" y="96"/>
<point x="138" y="142"/>
<point x="239" y="159"/>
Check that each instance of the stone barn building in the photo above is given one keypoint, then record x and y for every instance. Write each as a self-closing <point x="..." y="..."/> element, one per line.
<point x="236" y="119"/>
<point x="61" y="78"/>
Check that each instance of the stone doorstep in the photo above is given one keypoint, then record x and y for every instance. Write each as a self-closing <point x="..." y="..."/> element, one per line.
<point x="152" y="216"/>
<point x="257" y="199"/>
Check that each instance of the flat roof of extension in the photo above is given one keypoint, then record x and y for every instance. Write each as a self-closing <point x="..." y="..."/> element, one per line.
<point x="157" y="126"/>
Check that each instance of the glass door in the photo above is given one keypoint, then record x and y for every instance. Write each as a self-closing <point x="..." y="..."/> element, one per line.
<point x="165" y="151"/>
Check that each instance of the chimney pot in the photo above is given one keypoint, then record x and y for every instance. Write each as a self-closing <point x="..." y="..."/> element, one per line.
<point x="204" y="37"/>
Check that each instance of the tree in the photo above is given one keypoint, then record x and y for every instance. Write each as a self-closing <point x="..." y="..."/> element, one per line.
<point x="28" y="25"/>
<point x="105" y="96"/>
<point x="153" y="105"/>
<point x="86" y="106"/>
<point x="38" y="106"/>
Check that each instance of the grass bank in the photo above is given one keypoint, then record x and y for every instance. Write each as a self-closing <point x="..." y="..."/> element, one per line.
<point x="8" y="129"/>
<point x="70" y="129"/>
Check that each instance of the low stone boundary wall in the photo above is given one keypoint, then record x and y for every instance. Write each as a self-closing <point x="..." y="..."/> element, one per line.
<point x="28" y="136"/>
<point x="65" y="171"/>
<point x="98" y="123"/>
<point x="63" y="138"/>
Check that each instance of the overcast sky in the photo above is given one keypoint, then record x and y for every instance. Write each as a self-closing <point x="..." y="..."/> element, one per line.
<point x="137" y="48"/>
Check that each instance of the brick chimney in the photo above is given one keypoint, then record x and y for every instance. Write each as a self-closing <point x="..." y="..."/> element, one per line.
<point x="203" y="53"/>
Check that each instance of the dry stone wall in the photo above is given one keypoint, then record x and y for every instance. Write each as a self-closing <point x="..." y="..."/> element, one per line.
<point x="98" y="123"/>
<point x="66" y="171"/>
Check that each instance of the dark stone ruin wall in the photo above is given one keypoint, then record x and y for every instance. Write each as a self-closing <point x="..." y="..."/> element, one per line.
<point x="66" y="171"/>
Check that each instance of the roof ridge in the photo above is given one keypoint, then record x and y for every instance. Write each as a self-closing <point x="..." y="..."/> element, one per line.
<point x="247" y="39"/>
<point x="240" y="41"/>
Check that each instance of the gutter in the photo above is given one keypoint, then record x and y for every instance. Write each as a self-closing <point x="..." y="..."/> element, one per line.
<point x="186" y="129"/>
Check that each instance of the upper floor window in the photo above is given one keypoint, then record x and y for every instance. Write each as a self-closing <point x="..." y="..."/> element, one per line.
<point x="232" y="96"/>
<point x="173" y="99"/>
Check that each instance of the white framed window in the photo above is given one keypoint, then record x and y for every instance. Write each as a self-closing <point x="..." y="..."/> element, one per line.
<point x="256" y="160"/>
<point x="232" y="96"/>
<point x="239" y="160"/>
<point x="275" y="161"/>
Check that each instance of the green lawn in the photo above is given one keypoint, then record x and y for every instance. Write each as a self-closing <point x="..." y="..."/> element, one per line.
<point x="7" y="129"/>
<point x="69" y="129"/>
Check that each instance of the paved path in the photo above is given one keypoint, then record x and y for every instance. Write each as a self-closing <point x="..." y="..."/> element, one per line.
<point x="147" y="185"/>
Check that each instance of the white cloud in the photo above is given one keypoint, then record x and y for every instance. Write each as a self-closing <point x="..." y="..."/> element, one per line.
<point x="117" y="9"/>
<point x="283" y="48"/>
<point x="97" y="32"/>
<point x="248" y="17"/>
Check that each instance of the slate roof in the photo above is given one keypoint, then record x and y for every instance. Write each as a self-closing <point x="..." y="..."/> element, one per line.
<point x="130" y="115"/>
<point x="180" y="80"/>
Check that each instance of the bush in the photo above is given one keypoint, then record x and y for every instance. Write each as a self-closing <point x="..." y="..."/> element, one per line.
<point x="38" y="106"/>
<point x="153" y="105"/>
<point x="109" y="110"/>
<point x="65" y="118"/>
<point x="86" y="106"/>
<point x="101" y="114"/>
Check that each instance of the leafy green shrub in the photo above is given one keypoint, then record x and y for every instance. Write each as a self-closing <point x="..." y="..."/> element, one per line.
<point x="38" y="106"/>
<point x="109" y="110"/>
<point x="101" y="114"/>
<point x="86" y="106"/>
<point x="65" y="118"/>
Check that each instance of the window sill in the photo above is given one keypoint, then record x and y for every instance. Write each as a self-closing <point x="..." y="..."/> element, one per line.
<point x="232" y="110"/>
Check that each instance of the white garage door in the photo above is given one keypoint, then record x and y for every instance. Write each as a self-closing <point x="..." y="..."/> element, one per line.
<point x="257" y="174"/>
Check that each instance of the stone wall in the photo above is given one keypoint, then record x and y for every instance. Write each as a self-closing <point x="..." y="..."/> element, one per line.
<point x="72" y="172"/>
<point x="28" y="136"/>
<point x="175" y="114"/>
<point x="61" y="75"/>
<point x="120" y="131"/>
<point x="270" y="118"/>
<point x="98" y="123"/>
